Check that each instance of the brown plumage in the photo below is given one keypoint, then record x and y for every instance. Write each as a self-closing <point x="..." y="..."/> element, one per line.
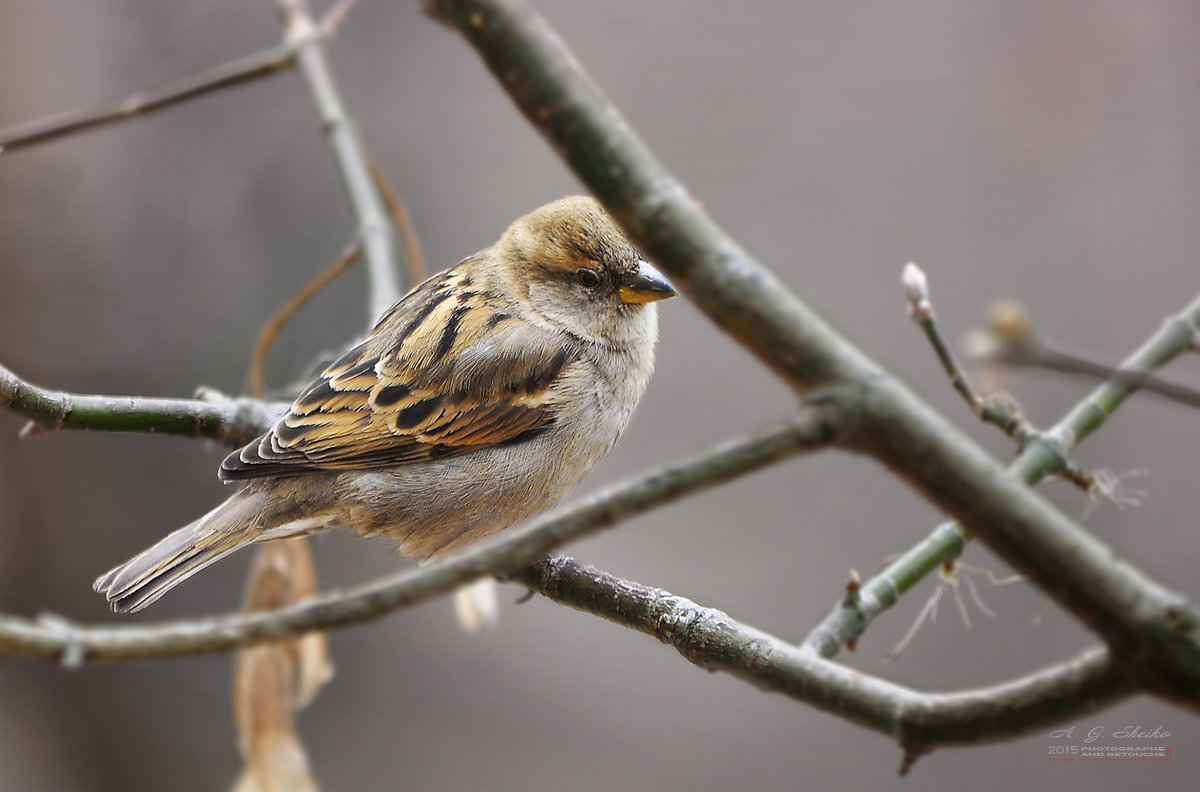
<point x="479" y="400"/>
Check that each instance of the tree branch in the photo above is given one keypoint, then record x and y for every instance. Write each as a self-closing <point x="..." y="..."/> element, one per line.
<point x="227" y="75"/>
<point x="1012" y="339"/>
<point x="243" y="70"/>
<point x="813" y="427"/>
<point x="1146" y="624"/>
<point x="1006" y="417"/>
<point x="713" y="641"/>
<point x="231" y="422"/>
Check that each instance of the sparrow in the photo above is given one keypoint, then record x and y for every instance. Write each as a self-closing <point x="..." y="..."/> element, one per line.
<point x="480" y="399"/>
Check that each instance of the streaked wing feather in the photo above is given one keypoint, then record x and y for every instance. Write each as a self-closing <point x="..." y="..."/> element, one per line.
<point x="402" y="397"/>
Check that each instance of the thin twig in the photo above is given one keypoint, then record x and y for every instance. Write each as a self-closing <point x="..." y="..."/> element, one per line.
<point x="266" y="336"/>
<point x="1001" y="410"/>
<point x="243" y="70"/>
<point x="232" y="423"/>
<point x="813" y="427"/>
<point x="258" y="66"/>
<point x="1006" y="415"/>
<point x="332" y="20"/>
<point x="1012" y="339"/>
<point x="376" y="236"/>
<point x="1047" y="357"/>
<point x="414" y="259"/>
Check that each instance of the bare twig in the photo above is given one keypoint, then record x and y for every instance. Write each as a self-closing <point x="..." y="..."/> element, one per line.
<point x="414" y="259"/>
<point x="266" y="335"/>
<point x="332" y="21"/>
<point x="243" y="70"/>
<point x="232" y="423"/>
<point x="303" y="36"/>
<point x="813" y="427"/>
<point x="1000" y="410"/>
<point x="1012" y="339"/>
<point x="1047" y="357"/>
<point x="1006" y="415"/>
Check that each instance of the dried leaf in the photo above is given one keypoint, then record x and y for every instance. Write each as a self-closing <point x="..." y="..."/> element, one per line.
<point x="282" y="766"/>
<point x="476" y="606"/>
<point x="273" y="682"/>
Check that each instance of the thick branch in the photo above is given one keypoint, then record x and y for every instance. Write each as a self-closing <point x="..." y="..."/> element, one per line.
<point x="550" y="87"/>
<point x="811" y="428"/>
<point x="1148" y="625"/>
<point x="232" y="423"/>
<point x="715" y="642"/>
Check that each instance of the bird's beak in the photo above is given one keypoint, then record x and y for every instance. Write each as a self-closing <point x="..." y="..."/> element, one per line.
<point x="646" y="285"/>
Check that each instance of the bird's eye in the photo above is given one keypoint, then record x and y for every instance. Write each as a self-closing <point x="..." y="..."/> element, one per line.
<point x="588" y="278"/>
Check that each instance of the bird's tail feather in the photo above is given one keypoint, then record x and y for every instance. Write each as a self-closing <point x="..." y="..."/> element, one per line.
<point x="147" y="576"/>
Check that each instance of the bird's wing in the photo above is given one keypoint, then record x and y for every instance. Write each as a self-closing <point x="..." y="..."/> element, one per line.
<point x="444" y="373"/>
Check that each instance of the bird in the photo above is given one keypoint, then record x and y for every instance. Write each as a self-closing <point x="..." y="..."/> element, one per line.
<point x="478" y="400"/>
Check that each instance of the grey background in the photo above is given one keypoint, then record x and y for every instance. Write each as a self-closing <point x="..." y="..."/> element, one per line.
<point x="1046" y="151"/>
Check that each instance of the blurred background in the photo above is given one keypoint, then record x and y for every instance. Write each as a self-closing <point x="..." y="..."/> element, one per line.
<point x="1043" y="150"/>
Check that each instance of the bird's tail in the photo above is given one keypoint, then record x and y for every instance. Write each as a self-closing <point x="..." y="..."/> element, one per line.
<point x="147" y="576"/>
